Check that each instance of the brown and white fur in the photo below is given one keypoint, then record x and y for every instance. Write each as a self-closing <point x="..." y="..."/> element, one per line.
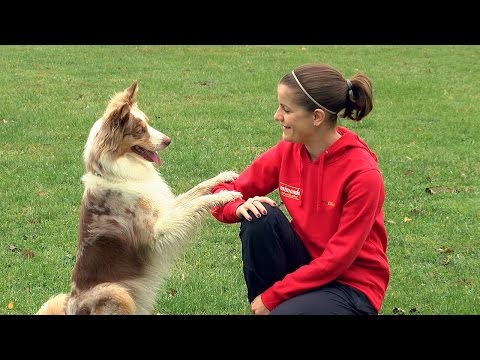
<point x="132" y="227"/>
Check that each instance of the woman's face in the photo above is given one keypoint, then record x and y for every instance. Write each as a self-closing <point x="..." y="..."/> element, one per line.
<point x="297" y="122"/>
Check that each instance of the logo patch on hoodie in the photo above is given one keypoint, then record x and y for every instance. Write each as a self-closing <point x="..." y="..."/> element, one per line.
<point x="289" y="191"/>
<point x="328" y="203"/>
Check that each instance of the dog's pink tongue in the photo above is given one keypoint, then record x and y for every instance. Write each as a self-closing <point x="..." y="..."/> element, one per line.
<point x="148" y="155"/>
<point x="153" y="157"/>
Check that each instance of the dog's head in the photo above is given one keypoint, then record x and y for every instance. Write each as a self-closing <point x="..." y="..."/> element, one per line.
<point x="122" y="137"/>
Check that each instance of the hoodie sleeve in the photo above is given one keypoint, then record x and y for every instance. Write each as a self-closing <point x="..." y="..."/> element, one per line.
<point x="365" y="196"/>
<point x="259" y="179"/>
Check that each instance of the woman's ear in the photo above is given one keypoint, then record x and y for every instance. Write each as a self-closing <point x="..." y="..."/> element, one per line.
<point x="318" y="117"/>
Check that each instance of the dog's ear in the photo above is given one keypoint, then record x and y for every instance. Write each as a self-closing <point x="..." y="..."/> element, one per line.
<point x="117" y="117"/>
<point x="131" y="92"/>
<point x="130" y="96"/>
<point x="123" y="114"/>
<point x="120" y="114"/>
<point x="118" y="109"/>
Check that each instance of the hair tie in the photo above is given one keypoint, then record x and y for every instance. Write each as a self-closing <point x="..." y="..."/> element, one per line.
<point x="350" y="89"/>
<point x="311" y="98"/>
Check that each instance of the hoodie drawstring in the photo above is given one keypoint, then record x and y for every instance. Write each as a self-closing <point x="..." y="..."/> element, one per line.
<point x="321" y="164"/>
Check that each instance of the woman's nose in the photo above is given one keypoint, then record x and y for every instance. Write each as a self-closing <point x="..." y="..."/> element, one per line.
<point x="277" y="116"/>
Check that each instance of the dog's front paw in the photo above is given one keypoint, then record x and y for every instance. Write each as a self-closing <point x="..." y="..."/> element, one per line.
<point x="226" y="176"/>
<point x="227" y="195"/>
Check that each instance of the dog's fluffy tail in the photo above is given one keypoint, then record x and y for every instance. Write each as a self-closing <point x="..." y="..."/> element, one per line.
<point x="54" y="306"/>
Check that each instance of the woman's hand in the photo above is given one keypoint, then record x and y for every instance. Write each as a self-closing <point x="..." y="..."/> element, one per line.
<point x="255" y="205"/>
<point x="257" y="307"/>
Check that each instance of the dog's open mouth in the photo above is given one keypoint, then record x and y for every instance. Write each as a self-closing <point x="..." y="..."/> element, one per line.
<point x="148" y="155"/>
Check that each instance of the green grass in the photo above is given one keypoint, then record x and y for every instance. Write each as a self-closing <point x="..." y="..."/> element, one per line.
<point x="217" y="105"/>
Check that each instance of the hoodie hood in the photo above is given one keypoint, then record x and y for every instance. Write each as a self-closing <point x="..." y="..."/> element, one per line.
<point x="348" y="141"/>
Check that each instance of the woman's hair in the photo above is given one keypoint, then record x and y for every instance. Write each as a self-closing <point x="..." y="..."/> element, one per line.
<point x="328" y="90"/>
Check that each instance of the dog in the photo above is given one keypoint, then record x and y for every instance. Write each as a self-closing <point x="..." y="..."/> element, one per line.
<point x="132" y="227"/>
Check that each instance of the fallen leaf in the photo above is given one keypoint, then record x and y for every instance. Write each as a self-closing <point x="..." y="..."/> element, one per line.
<point x="398" y="311"/>
<point x="10" y="305"/>
<point x="28" y="253"/>
<point x="12" y="247"/>
<point x="407" y="219"/>
<point x="171" y="292"/>
<point x="441" y="189"/>
<point x="408" y="172"/>
<point x="445" y="250"/>
<point x="464" y="283"/>
<point x="445" y="261"/>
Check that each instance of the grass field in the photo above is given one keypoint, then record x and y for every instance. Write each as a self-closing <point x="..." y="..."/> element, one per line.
<point x="217" y="105"/>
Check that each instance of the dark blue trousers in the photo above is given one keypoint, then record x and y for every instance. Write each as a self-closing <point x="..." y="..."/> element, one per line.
<point x="271" y="249"/>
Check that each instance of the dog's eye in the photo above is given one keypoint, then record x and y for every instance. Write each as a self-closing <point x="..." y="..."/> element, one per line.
<point x="139" y="130"/>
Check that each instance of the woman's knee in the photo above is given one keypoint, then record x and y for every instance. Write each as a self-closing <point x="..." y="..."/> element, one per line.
<point x="264" y="222"/>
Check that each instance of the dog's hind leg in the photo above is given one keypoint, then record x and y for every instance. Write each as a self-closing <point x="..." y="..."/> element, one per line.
<point x="205" y="187"/>
<point x="54" y="306"/>
<point x="174" y="228"/>
<point x="103" y="299"/>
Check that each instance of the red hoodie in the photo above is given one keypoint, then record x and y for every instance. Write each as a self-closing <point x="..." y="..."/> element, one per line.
<point x="335" y="204"/>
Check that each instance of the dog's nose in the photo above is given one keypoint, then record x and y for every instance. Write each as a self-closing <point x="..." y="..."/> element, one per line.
<point x="167" y="141"/>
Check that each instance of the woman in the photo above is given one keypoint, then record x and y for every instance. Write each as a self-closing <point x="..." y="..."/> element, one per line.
<point x="331" y="258"/>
